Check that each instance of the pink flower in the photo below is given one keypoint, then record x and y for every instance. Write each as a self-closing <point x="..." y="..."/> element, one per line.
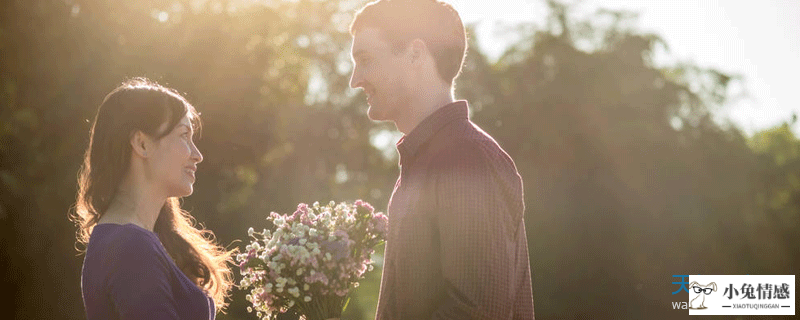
<point x="317" y="277"/>
<point x="274" y="215"/>
<point x="381" y="223"/>
<point x="302" y="210"/>
<point x="364" y="205"/>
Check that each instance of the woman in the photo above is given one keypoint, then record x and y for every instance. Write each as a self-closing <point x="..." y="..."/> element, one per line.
<point x="144" y="258"/>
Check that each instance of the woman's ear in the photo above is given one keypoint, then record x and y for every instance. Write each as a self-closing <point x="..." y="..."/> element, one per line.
<point x="140" y="143"/>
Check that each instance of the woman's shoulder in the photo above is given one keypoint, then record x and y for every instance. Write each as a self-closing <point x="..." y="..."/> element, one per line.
<point x="122" y="243"/>
<point x="120" y="234"/>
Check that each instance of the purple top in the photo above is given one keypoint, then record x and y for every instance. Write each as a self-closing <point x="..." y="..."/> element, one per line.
<point x="127" y="274"/>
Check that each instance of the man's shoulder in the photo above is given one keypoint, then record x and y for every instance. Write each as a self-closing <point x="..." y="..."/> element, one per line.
<point x="463" y="141"/>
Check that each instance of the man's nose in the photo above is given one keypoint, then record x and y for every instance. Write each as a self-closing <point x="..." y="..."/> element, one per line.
<point x="355" y="81"/>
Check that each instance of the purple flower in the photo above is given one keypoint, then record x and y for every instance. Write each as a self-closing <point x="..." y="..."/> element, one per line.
<point x="294" y="241"/>
<point x="338" y="249"/>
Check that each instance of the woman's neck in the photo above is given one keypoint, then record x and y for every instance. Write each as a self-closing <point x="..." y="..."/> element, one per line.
<point x="134" y="205"/>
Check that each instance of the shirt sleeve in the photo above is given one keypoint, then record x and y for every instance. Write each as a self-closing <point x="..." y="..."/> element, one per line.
<point x="475" y="195"/>
<point x="139" y="281"/>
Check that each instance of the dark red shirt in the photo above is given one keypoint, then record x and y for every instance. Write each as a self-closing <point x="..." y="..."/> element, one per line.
<point x="457" y="247"/>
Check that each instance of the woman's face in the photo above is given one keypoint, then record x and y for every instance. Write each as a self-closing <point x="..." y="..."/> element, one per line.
<point x="175" y="160"/>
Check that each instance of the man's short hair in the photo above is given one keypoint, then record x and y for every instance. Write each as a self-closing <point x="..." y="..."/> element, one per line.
<point x="434" y="22"/>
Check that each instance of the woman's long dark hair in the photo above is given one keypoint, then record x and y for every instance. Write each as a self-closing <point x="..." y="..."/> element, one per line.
<point x="143" y="105"/>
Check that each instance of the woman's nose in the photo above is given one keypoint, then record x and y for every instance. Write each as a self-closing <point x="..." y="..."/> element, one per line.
<point x="196" y="155"/>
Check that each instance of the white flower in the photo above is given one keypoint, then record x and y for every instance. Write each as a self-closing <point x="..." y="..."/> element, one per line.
<point x="299" y="271"/>
<point x="251" y="231"/>
<point x="307" y="299"/>
<point x="294" y="292"/>
<point x="306" y="287"/>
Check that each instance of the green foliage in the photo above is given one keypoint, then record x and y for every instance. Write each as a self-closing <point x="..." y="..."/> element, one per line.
<point x="627" y="179"/>
<point x="777" y="190"/>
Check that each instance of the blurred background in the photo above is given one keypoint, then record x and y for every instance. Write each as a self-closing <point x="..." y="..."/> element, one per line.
<point x="639" y="162"/>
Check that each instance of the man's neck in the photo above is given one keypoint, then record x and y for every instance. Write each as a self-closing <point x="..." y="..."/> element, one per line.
<point x="422" y="107"/>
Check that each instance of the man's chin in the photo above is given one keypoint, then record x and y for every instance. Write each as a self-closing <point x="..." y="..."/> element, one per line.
<point x="375" y="115"/>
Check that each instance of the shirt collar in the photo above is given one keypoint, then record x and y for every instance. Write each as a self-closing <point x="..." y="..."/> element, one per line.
<point x="424" y="131"/>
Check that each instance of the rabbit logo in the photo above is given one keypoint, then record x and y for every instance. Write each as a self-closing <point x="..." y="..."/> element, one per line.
<point x="702" y="291"/>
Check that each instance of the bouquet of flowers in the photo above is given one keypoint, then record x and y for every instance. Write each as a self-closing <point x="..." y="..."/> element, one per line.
<point x="311" y="260"/>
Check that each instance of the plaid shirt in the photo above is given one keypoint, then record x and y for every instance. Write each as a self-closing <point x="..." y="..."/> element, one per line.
<point x="457" y="247"/>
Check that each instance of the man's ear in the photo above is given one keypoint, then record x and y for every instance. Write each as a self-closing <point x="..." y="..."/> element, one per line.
<point x="141" y="143"/>
<point x="417" y="49"/>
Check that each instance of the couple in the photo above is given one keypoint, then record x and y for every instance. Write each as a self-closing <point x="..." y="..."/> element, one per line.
<point x="456" y="248"/>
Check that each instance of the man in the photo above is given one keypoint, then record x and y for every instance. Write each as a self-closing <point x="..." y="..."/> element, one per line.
<point x="457" y="247"/>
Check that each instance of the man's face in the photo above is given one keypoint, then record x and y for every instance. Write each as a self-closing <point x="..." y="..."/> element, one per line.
<point x="381" y="74"/>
